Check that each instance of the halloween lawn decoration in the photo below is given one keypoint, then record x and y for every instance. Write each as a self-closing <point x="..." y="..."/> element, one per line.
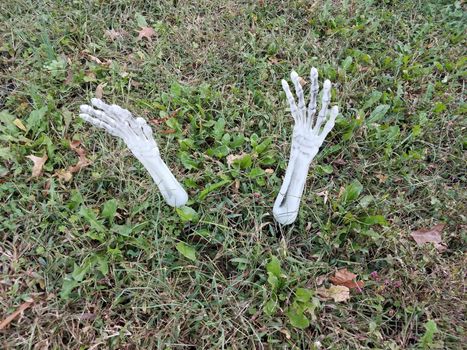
<point x="137" y="135"/>
<point x="308" y="135"/>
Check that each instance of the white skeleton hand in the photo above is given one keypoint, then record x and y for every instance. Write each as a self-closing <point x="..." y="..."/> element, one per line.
<point x="308" y="136"/>
<point x="137" y="135"/>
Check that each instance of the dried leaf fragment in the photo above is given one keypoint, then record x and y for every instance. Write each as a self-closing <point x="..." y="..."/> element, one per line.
<point x="113" y="34"/>
<point x="38" y="164"/>
<point x="430" y="235"/>
<point x="168" y="131"/>
<point x="146" y="32"/>
<point x="164" y="119"/>
<point x="337" y="293"/>
<point x="82" y="160"/>
<point x="343" y="277"/>
<point x="15" y="314"/>
<point x="231" y="158"/>
<point x="64" y="175"/>
<point x="67" y="174"/>
<point x="302" y="81"/>
<point x="381" y="177"/>
<point x="19" y="124"/>
<point x="99" y="91"/>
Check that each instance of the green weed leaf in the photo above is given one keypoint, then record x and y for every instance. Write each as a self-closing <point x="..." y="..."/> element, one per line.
<point x="271" y="306"/>
<point x="186" y="250"/>
<point x="141" y="20"/>
<point x="67" y="287"/>
<point x="110" y="209"/>
<point x="427" y="339"/>
<point x="297" y="318"/>
<point x="274" y="267"/>
<point x="187" y="214"/>
<point x="352" y="192"/>
<point x="303" y="295"/>
<point x="378" y="113"/>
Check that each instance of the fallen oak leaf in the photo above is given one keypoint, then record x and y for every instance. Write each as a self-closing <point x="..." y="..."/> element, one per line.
<point x="82" y="160"/>
<point x="38" y="164"/>
<point x="430" y="235"/>
<point x="146" y="32"/>
<point x="338" y="293"/>
<point x="15" y="314"/>
<point x="344" y="277"/>
<point x="67" y="174"/>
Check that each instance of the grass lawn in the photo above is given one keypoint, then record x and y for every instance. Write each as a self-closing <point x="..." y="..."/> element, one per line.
<point x="93" y="258"/>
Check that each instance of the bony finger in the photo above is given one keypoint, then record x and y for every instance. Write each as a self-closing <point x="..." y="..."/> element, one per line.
<point x="100" y="115"/>
<point x="326" y="92"/>
<point x="97" y="102"/>
<point x="91" y="120"/>
<point x="299" y="91"/>
<point x="120" y="113"/>
<point x="330" y="123"/>
<point x="85" y="109"/>
<point x="290" y="99"/>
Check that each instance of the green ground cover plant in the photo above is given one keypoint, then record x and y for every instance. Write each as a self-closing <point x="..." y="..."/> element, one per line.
<point x="92" y="258"/>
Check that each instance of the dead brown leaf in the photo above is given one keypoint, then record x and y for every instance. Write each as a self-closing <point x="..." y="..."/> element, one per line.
<point x="323" y="194"/>
<point x="113" y="34"/>
<point x="67" y="174"/>
<point x="146" y="32"/>
<point x="164" y="119"/>
<point x="99" y="91"/>
<point x="343" y="277"/>
<point x="15" y="314"/>
<point x="69" y="76"/>
<point x="168" y="131"/>
<point x="38" y="164"/>
<point x="64" y="175"/>
<point x="337" y="293"/>
<point x="90" y="76"/>
<point x="382" y="178"/>
<point x="96" y="59"/>
<point x="82" y="160"/>
<point x="273" y="60"/>
<point x="320" y="280"/>
<point x="430" y="235"/>
<point x="302" y="81"/>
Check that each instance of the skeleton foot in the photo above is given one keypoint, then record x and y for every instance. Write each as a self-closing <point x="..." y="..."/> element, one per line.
<point x="137" y="135"/>
<point x="308" y="136"/>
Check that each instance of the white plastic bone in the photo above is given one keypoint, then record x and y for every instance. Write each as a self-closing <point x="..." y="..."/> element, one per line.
<point x="308" y="136"/>
<point x="137" y="135"/>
